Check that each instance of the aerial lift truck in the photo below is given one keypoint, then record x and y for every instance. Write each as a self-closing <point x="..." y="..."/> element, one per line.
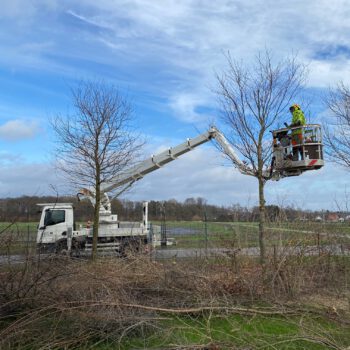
<point x="57" y="230"/>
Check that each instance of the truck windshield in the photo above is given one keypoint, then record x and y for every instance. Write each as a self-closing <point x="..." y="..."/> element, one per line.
<point x="53" y="217"/>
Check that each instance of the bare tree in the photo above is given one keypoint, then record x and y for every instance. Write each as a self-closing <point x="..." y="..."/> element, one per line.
<point x="255" y="100"/>
<point x="97" y="142"/>
<point x="337" y="133"/>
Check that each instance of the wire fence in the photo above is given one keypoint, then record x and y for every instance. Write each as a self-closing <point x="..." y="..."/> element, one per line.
<point x="198" y="239"/>
<point x="193" y="239"/>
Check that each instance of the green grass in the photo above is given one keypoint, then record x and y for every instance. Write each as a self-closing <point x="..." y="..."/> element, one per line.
<point x="245" y="234"/>
<point x="17" y="238"/>
<point x="216" y="234"/>
<point x="243" y="332"/>
<point x="18" y="227"/>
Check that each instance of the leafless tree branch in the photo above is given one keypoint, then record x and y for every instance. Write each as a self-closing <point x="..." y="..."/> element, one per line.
<point x="337" y="132"/>
<point x="253" y="101"/>
<point x="97" y="142"/>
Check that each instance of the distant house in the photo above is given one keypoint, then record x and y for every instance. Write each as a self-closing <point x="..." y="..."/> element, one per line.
<point x="303" y="219"/>
<point x="347" y="218"/>
<point x="333" y="217"/>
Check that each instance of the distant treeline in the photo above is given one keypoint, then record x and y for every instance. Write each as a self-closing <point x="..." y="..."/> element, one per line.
<point x="24" y="209"/>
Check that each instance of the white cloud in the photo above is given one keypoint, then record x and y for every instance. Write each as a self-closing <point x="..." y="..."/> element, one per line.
<point x="29" y="179"/>
<point x="184" y="106"/>
<point x="313" y="189"/>
<point x="15" y="130"/>
<point x="185" y="39"/>
<point x="190" y="36"/>
<point x="329" y="73"/>
<point x="91" y="21"/>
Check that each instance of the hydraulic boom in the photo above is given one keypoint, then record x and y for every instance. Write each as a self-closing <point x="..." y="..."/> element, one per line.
<point x="155" y="162"/>
<point x="277" y="171"/>
<point x="57" y="229"/>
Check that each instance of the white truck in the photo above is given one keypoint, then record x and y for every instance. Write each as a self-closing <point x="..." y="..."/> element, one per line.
<point x="57" y="230"/>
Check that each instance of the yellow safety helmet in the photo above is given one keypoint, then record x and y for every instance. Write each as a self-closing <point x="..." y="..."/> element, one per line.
<point x="294" y="107"/>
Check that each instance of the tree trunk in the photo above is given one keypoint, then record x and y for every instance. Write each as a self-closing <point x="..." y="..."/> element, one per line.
<point x="96" y="220"/>
<point x="261" y="220"/>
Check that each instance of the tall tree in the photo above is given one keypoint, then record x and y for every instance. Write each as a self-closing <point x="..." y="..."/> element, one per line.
<point x="337" y="135"/>
<point x="255" y="100"/>
<point x="97" y="142"/>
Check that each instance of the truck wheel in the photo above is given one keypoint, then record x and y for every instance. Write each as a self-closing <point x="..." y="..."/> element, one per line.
<point x="77" y="247"/>
<point x="125" y="251"/>
<point x="61" y="248"/>
<point x="130" y="249"/>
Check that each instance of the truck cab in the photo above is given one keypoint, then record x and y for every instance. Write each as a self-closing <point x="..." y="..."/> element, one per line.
<point x="57" y="232"/>
<point x="56" y="223"/>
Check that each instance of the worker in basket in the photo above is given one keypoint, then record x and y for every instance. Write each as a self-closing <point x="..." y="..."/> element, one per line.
<point x="298" y="119"/>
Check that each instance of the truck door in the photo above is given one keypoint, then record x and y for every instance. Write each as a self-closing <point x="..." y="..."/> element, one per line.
<point x="54" y="225"/>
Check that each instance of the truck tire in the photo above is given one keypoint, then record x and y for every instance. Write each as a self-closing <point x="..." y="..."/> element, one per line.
<point x="61" y="247"/>
<point x="130" y="248"/>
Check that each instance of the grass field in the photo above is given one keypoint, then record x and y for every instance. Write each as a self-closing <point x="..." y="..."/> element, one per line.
<point x="245" y="234"/>
<point x="197" y="234"/>
<point x="17" y="238"/>
<point x="242" y="332"/>
<point x="18" y="227"/>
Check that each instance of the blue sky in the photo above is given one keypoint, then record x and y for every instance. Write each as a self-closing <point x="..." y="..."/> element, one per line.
<point x="163" y="56"/>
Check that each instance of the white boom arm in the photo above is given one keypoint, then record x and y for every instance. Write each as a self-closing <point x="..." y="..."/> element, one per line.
<point x="157" y="161"/>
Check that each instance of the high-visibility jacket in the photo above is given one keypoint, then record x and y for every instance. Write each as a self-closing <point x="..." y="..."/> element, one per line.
<point x="298" y="119"/>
